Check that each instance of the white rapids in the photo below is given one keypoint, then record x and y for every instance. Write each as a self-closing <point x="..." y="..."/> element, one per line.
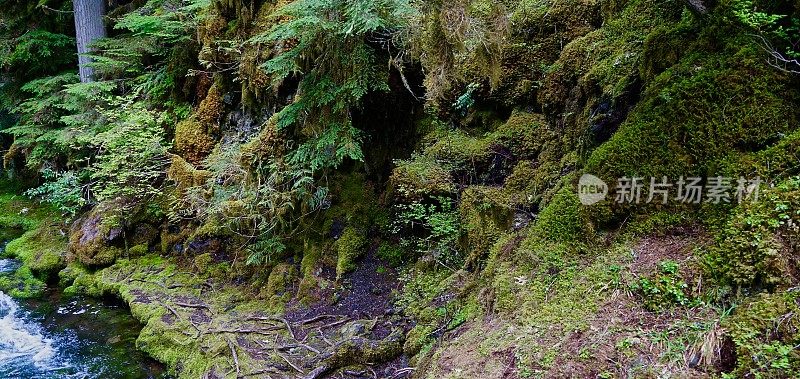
<point x="21" y="343"/>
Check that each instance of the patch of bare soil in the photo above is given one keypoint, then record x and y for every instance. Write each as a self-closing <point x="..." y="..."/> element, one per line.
<point x="627" y="340"/>
<point x="365" y="294"/>
<point x="677" y="245"/>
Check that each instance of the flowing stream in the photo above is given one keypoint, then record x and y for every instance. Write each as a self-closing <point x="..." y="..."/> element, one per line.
<point x="60" y="337"/>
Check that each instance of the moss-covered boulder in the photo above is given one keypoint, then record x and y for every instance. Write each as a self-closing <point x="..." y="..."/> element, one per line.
<point x="96" y="238"/>
<point x="349" y="247"/>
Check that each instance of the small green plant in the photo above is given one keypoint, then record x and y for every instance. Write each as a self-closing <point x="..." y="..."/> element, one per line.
<point x="429" y="227"/>
<point x="64" y="190"/>
<point x="393" y="254"/>
<point x="778" y="33"/>
<point x="466" y="100"/>
<point x="665" y="290"/>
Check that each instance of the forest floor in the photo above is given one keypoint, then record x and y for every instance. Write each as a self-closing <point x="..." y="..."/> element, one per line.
<point x="213" y="330"/>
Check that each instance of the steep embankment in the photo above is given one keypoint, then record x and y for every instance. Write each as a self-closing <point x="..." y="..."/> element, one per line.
<point x="36" y="236"/>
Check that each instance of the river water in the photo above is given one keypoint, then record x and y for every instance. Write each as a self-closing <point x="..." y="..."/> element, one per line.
<point x="60" y="337"/>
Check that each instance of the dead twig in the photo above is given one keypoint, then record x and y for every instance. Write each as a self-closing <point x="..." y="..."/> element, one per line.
<point x="235" y="358"/>
<point x="315" y="319"/>
<point x="334" y="323"/>
<point x="291" y="364"/>
<point x="190" y="305"/>
<point x="296" y="345"/>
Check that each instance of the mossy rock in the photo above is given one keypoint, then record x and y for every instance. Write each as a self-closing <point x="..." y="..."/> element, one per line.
<point x="22" y="284"/>
<point x="268" y="143"/>
<point x="79" y="280"/>
<point x="418" y="178"/>
<point x="764" y="331"/>
<point x="281" y="279"/>
<point x="757" y="246"/>
<point x="93" y="237"/>
<point x="185" y="175"/>
<point x="138" y="250"/>
<point x="193" y="140"/>
<point x="43" y="249"/>
<point x="392" y="253"/>
<point x="563" y="219"/>
<point x="687" y="125"/>
<point x="485" y="213"/>
<point x="349" y="247"/>
<point x="310" y="267"/>
<point x="353" y="202"/>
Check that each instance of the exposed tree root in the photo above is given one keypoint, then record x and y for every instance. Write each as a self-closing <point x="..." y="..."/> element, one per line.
<point x="358" y="351"/>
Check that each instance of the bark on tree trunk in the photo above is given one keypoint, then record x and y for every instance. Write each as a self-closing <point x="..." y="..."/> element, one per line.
<point x="88" y="27"/>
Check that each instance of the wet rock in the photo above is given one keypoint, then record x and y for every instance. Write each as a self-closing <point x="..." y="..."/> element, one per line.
<point x="93" y="237"/>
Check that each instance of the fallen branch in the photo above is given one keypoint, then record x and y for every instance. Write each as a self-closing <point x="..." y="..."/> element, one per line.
<point x="359" y="351"/>
<point x="316" y="318"/>
<point x="172" y="310"/>
<point x="291" y="364"/>
<point x="289" y="327"/>
<point x="190" y="305"/>
<point x="403" y="371"/>
<point x="322" y="335"/>
<point x="264" y="332"/>
<point x="296" y="345"/>
<point x="235" y="357"/>
<point x="262" y="371"/>
<point x="334" y="323"/>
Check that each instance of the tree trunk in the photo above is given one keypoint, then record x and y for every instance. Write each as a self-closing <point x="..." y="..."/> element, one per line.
<point x="88" y="28"/>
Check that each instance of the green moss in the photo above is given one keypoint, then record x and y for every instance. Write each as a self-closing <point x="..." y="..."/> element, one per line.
<point x="193" y="141"/>
<point x="281" y="279"/>
<point x="22" y="284"/>
<point x="765" y="333"/>
<point x="775" y="163"/>
<point x="417" y="338"/>
<point x="754" y="247"/>
<point x="349" y="247"/>
<point x="418" y="178"/>
<point x="205" y="265"/>
<point x="80" y="281"/>
<point x="195" y="136"/>
<point x="393" y="254"/>
<point x="309" y="267"/>
<point x="185" y="175"/>
<point x="563" y="219"/>
<point x="353" y="202"/>
<point x="138" y="250"/>
<point x="41" y="249"/>
<point x="18" y="212"/>
<point x="484" y="214"/>
<point x="687" y="125"/>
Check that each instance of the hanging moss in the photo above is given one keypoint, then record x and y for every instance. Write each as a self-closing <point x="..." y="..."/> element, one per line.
<point x="193" y="142"/>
